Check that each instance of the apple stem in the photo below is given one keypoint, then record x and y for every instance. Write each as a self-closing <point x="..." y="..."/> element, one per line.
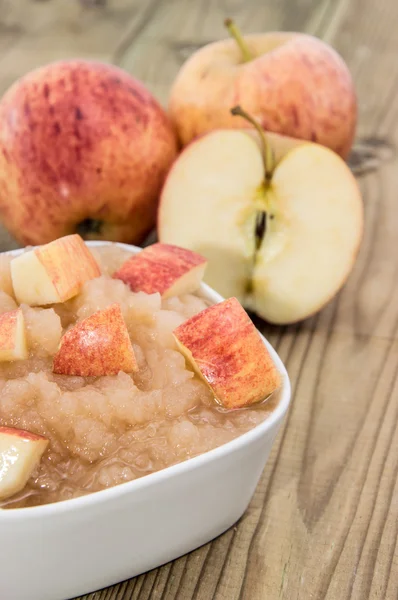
<point x="235" y="33"/>
<point x="268" y="155"/>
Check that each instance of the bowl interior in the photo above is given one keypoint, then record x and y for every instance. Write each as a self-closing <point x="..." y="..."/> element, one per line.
<point x="192" y="463"/>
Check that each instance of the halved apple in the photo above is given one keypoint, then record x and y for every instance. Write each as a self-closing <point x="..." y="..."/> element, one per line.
<point x="226" y="350"/>
<point x="282" y="238"/>
<point x="20" y="453"/>
<point x="13" y="336"/>
<point x="54" y="272"/>
<point x="98" y="345"/>
<point x="163" y="268"/>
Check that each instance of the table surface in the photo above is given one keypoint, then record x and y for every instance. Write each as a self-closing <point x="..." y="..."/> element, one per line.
<point x="323" y="522"/>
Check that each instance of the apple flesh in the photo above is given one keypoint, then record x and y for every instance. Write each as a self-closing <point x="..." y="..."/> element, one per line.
<point x="20" y="453"/>
<point x="312" y="222"/>
<point x="84" y="148"/>
<point x="13" y="336"/>
<point x="226" y="350"/>
<point x="294" y="84"/>
<point x="54" y="272"/>
<point x="163" y="268"/>
<point x="99" y="345"/>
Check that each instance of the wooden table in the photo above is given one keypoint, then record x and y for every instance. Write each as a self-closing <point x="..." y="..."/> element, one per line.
<point x="323" y="522"/>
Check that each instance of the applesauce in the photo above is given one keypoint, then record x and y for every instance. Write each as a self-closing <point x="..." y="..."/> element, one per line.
<point x="104" y="431"/>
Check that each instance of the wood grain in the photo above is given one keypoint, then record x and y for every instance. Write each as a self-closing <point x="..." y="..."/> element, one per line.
<point x="323" y="522"/>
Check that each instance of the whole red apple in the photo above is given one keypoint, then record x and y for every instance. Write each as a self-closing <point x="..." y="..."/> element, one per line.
<point x="84" y="148"/>
<point x="292" y="83"/>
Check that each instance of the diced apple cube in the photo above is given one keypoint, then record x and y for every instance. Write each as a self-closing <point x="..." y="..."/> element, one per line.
<point x="7" y="303"/>
<point x="13" y="336"/>
<point x="54" y="272"/>
<point x="20" y="453"/>
<point x="98" y="345"/>
<point x="163" y="268"/>
<point x="224" y="347"/>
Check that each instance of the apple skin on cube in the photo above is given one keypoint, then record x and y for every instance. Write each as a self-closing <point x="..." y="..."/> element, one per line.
<point x="20" y="453"/>
<point x="13" y="336"/>
<point x="225" y="348"/>
<point x="164" y="268"/>
<point x="54" y="272"/>
<point x="99" y="345"/>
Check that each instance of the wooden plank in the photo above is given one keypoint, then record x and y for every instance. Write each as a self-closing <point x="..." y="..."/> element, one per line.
<point x="42" y="31"/>
<point x="323" y="522"/>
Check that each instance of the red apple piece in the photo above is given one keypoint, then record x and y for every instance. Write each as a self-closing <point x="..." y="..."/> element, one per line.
<point x="224" y="347"/>
<point x="13" y="336"/>
<point x="20" y="453"/>
<point x="164" y="268"/>
<point x="54" y="272"/>
<point x="99" y="345"/>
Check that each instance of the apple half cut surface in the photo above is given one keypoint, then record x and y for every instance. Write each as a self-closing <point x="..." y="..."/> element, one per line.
<point x="20" y="453"/>
<point x="281" y="238"/>
<point x="226" y="350"/>
<point x="163" y="268"/>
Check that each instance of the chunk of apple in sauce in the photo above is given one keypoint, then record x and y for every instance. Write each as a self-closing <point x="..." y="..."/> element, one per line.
<point x="20" y="453"/>
<point x="54" y="272"/>
<point x="99" y="345"/>
<point x="164" y="268"/>
<point x="226" y="350"/>
<point x="5" y="274"/>
<point x="13" y="336"/>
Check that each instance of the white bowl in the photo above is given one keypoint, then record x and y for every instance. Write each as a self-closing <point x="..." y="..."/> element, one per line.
<point x="67" y="549"/>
